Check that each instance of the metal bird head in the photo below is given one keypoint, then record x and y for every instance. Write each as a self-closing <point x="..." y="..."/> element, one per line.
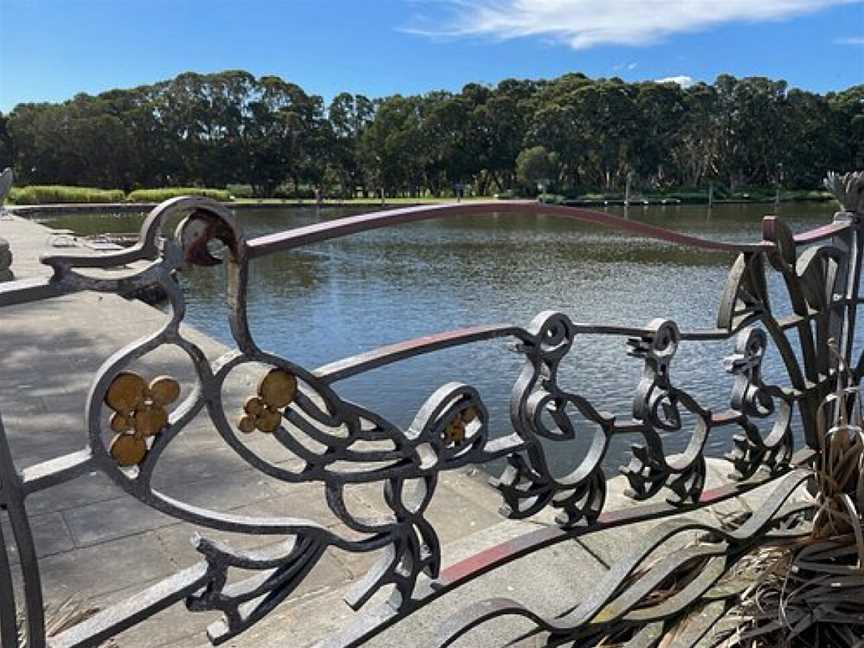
<point x="658" y="344"/>
<point x="196" y="232"/>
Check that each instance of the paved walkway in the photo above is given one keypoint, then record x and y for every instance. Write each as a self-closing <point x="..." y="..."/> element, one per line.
<point x="100" y="545"/>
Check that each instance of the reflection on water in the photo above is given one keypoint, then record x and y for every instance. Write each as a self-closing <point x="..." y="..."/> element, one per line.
<point x="338" y="298"/>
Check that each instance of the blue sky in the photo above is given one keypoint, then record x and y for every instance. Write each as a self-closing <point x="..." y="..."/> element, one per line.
<point x="51" y="49"/>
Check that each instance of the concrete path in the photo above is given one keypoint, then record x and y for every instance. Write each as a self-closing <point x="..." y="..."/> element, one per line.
<point x="94" y="541"/>
<point x="99" y="545"/>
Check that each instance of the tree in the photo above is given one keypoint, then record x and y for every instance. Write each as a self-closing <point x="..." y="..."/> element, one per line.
<point x="536" y="167"/>
<point x="349" y="117"/>
<point x="848" y="107"/>
<point x="230" y="127"/>
<point x="7" y="153"/>
<point x="392" y="146"/>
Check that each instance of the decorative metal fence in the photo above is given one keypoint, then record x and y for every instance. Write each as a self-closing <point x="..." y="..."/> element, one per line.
<point x="303" y="411"/>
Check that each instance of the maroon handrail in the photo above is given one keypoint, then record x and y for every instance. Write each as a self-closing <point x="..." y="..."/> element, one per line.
<point x="317" y="232"/>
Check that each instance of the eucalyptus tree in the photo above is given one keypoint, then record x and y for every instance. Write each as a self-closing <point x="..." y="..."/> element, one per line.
<point x="848" y="107"/>
<point x="349" y="116"/>
<point x="7" y="153"/>
<point x="392" y="146"/>
<point x="35" y="129"/>
<point x="231" y="127"/>
<point x="537" y="167"/>
<point x="660" y="114"/>
<point x="695" y="150"/>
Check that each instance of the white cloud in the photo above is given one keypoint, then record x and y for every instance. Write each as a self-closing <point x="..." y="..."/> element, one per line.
<point x="850" y="40"/>
<point x="683" y="80"/>
<point x="586" y="23"/>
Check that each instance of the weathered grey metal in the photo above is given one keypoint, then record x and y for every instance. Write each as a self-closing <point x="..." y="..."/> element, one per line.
<point x="609" y="605"/>
<point x="302" y="410"/>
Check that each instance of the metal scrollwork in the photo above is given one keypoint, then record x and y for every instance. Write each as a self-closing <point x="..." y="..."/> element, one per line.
<point x="657" y="405"/>
<point x="749" y="394"/>
<point x="321" y="439"/>
<point x="752" y="398"/>
<point x="528" y="484"/>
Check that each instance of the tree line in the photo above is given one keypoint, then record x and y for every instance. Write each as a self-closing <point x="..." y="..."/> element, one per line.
<point x="571" y="134"/>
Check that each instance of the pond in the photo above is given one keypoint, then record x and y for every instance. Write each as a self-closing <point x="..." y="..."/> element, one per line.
<point x="342" y="297"/>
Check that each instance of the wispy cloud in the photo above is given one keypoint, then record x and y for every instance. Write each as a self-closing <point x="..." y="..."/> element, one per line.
<point x="850" y="40"/>
<point x="625" y="66"/>
<point x="683" y="80"/>
<point x="585" y="23"/>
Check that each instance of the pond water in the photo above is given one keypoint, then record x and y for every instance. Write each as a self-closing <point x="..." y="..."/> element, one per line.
<point x="342" y="297"/>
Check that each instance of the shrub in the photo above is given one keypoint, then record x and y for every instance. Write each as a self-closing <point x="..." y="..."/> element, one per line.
<point x="536" y="165"/>
<point x="551" y="199"/>
<point x="286" y="192"/>
<point x="600" y="197"/>
<point x="164" y="193"/>
<point x="805" y="194"/>
<point x="241" y="190"/>
<point x="507" y="194"/>
<point x="48" y="194"/>
<point x="687" y="197"/>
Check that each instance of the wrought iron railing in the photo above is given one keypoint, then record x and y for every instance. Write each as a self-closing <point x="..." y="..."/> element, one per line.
<point x="303" y="412"/>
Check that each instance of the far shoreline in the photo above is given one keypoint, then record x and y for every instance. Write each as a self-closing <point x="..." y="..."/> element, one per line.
<point x="277" y="203"/>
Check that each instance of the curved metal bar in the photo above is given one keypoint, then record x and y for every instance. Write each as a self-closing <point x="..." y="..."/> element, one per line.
<point x="375" y="621"/>
<point x="822" y="233"/>
<point x="382" y="356"/>
<point x="589" y="611"/>
<point x="9" y="493"/>
<point x="360" y="363"/>
<point x="56" y="471"/>
<point x="314" y="425"/>
<point x="300" y="236"/>
<point x="12" y="499"/>
<point x="8" y="611"/>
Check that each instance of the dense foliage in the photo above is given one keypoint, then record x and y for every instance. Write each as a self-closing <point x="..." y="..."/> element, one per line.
<point x="571" y="134"/>
<point x="158" y="195"/>
<point x="47" y="194"/>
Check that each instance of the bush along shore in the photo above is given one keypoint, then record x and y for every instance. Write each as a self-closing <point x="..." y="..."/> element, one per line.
<point x="54" y="194"/>
<point x="62" y="194"/>
<point x="689" y="197"/>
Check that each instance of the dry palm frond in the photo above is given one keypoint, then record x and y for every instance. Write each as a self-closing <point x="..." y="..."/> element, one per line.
<point x="839" y="482"/>
<point x="58" y="618"/>
<point x="808" y="592"/>
<point x="814" y="594"/>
